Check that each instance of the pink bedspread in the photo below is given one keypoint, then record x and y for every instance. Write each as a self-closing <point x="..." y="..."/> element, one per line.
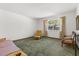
<point x="7" y="47"/>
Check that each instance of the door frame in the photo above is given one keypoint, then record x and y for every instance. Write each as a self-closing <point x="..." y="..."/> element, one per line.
<point x="77" y="22"/>
<point x="63" y="27"/>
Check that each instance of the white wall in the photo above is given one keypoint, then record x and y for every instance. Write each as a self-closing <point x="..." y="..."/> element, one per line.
<point x="16" y="26"/>
<point x="70" y="24"/>
<point x="77" y="10"/>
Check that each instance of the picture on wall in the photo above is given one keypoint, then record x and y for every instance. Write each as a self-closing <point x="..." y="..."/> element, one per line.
<point x="53" y="25"/>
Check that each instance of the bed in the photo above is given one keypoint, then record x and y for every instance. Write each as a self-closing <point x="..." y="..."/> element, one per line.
<point x="8" y="48"/>
<point x="77" y="37"/>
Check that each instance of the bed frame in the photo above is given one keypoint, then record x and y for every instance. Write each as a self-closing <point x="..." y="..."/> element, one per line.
<point x="16" y="52"/>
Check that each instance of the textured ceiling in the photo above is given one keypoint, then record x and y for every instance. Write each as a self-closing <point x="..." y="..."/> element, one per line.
<point x="38" y="10"/>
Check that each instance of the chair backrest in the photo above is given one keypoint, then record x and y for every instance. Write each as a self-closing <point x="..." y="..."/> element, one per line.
<point x="38" y="33"/>
<point x="73" y="35"/>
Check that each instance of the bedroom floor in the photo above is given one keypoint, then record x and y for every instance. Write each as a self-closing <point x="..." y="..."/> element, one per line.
<point x="44" y="47"/>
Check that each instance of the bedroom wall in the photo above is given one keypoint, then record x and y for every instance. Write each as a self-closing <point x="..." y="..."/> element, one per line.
<point x="15" y="26"/>
<point x="70" y="23"/>
<point x="77" y="11"/>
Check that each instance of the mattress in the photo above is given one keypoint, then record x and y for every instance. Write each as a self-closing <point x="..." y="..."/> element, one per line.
<point x="6" y="47"/>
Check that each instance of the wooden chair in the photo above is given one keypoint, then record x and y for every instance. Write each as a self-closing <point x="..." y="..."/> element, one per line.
<point x="38" y="34"/>
<point x="68" y="40"/>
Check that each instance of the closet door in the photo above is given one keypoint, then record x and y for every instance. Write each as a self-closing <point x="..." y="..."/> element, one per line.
<point x="77" y="23"/>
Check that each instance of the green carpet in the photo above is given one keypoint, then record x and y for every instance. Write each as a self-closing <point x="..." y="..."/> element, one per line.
<point x="44" y="47"/>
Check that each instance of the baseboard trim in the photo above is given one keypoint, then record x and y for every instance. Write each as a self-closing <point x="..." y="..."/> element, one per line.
<point x="23" y="38"/>
<point x="53" y="38"/>
<point x="33" y="37"/>
<point x="27" y="37"/>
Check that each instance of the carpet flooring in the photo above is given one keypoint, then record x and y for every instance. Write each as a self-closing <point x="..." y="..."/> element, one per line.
<point x="44" y="47"/>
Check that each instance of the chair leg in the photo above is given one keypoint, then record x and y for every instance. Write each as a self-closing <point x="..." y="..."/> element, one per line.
<point x="62" y="44"/>
<point x="73" y="45"/>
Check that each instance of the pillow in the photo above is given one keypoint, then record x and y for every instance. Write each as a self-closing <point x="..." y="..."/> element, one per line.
<point x="2" y="39"/>
<point x="2" y="42"/>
